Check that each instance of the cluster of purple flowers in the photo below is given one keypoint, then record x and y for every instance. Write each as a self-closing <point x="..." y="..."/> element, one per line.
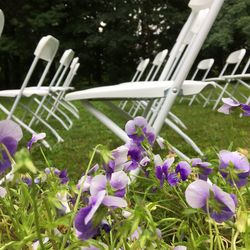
<point x="163" y="172"/>
<point x="102" y="190"/>
<point x="108" y="191"/>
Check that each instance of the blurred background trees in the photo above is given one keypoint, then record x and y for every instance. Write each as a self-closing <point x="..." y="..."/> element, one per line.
<point x="111" y="36"/>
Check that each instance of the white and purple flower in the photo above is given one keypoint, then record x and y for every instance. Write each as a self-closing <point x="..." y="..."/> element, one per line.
<point x="35" y="138"/>
<point x="138" y="130"/>
<point x="161" y="168"/>
<point x="230" y="104"/>
<point x="219" y="204"/>
<point x="10" y="135"/>
<point x="86" y="224"/>
<point x="234" y="167"/>
<point x="182" y="171"/>
<point x="204" y="168"/>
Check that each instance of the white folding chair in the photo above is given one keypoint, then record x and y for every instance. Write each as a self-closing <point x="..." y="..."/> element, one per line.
<point x="197" y="27"/>
<point x="45" y="51"/>
<point x="233" y="60"/>
<point x="241" y="80"/>
<point x="57" y="94"/>
<point x="156" y="65"/>
<point x="54" y="87"/>
<point x="204" y="66"/>
<point x="1" y="22"/>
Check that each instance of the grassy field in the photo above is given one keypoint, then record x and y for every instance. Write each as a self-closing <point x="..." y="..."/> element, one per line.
<point x="211" y="130"/>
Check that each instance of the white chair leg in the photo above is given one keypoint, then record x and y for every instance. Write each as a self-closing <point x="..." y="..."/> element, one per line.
<point x="106" y="121"/>
<point x="53" y="114"/>
<point x="72" y="106"/>
<point x="220" y="96"/>
<point x="22" y="124"/>
<point x="184" y="136"/>
<point x="64" y="104"/>
<point x="53" y="131"/>
<point x="208" y="98"/>
<point x="177" y="120"/>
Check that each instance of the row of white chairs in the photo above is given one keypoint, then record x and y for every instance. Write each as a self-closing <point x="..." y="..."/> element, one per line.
<point x="158" y="95"/>
<point x="45" y="101"/>
<point x="228" y="76"/>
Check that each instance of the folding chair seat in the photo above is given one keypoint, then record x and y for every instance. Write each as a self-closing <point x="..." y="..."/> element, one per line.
<point x="233" y="60"/>
<point x="45" y="51"/>
<point x="203" y="14"/>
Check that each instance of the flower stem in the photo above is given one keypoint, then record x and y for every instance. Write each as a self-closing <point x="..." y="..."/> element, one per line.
<point x="78" y="198"/>
<point x="37" y="225"/>
<point x="233" y="246"/>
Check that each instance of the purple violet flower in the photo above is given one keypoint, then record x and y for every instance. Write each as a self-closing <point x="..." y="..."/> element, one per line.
<point x="86" y="184"/>
<point x="85" y="222"/>
<point x="204" y="168"/>
<point x="246" y="109"/>
<point x="10" y="135"/>
<point x="136" y="156"/>
<point x="120" y="157"/>
<point x="27" y="180"/>
<point x="182" y="171"/>
<point x="63" y="175"/>
<point x="161" y="168"/>
<point x="85" y="226"/>
<point x="35" y="138"/>
<point x="228" y="105"/>
<point x="118" y="182"/>
<point x="234" y="167"/>
<point x="138" y="130"/>
<point x="219" y="204"/>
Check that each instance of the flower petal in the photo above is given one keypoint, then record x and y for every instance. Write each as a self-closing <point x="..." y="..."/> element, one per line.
<point x="9" y="128"/>
<point x="95" y="202"/>
<point x="35" y="138"/>
<point x="197" y="193"/>
<point x="113" y="201"/>
<point x="119" y="180"/>
<point x="98" y="184"/>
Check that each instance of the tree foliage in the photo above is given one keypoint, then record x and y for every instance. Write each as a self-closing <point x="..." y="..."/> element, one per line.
<point x="108" y="36"/>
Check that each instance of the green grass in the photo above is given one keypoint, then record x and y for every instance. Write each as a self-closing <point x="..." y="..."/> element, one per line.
<point x="209" y="129"/>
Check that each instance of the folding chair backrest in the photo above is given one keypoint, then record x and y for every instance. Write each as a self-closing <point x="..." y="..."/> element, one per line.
<point x="156" y="65"/>
<point x="192" y="37"/>
<point x="204" y="65"/>
<point x="140" y="70"/>
<point x="1" y="22"/>
<point x="45" y="50"/>
<point x="71" y="71"/>
<point x="246" y="68"/>
<point x="63" y="64"/>
<point x="234" y="58"/>
<point x="74" y="71"/>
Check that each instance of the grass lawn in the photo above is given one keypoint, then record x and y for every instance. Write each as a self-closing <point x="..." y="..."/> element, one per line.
<point x="211" y="130"/>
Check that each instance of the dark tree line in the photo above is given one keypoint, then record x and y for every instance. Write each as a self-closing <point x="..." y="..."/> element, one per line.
<point x="109" y="36"/>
